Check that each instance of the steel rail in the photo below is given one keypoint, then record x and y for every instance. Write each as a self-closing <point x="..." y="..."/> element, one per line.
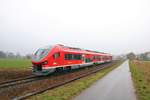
<point x="17" y="81"/>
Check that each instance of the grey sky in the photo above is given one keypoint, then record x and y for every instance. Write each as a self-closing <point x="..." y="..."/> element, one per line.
<point x="113" y="26"/>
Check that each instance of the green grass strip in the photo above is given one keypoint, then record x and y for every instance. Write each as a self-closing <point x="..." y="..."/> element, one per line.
<point x="15" y="63"/>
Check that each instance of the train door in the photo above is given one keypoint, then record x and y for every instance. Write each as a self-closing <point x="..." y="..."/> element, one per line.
<point x="83" y="58"/>
<point x="56" y="57"/>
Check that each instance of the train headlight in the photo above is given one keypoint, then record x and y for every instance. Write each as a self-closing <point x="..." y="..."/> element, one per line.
<point x="45" y="62"/>
<point x="54" y="63"/>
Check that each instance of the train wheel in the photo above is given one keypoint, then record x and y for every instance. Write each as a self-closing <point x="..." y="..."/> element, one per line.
<point x="68" y="68"/>
<point x="59" y="70"/>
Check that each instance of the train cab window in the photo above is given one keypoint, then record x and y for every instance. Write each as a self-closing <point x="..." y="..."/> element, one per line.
<point x="56" y="55"/>
<point x="41" y="53"/>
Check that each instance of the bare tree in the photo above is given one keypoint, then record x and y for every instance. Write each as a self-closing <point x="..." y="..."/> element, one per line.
<point x="18" y="55"/>
<point x="2" y="54"/>
<point x="10" y="55"/>
<point x="28" y="56"/>
<point x="131" y="56"/>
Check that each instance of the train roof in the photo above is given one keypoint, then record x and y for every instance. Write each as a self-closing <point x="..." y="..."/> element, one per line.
<point x="74" y="49"/>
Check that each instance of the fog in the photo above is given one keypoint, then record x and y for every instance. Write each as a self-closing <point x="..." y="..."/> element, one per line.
<point x="112" y="26"/>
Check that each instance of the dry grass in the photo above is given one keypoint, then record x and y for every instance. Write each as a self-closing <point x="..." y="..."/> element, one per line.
<point x="141" y="76"/>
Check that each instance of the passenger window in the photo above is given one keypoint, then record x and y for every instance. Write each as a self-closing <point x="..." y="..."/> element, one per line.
<point x="94" y="57"/>
<point x="73" y="57"/>
<point x="77" y="57"/>
<point x="68" y="56"/>
<point x="56" y="55"/>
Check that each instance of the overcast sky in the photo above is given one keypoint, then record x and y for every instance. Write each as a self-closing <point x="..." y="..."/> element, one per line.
<point x="113" y="26"/>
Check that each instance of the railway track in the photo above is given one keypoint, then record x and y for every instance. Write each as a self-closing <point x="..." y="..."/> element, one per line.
<point x="33" y="85"/>
<point x="59" y="84"/>
<point x="17" y="81"/>
<point x="23" y="80"/>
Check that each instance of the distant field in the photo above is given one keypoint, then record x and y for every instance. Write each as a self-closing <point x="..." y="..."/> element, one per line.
<point x="141" y="76"/>
<point x="15" y="63"/>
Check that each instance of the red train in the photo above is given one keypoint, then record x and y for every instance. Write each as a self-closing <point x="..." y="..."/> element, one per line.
<point x="59" y="57"/>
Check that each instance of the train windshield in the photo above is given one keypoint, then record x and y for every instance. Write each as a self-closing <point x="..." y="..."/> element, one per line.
<point x="41" y="53"/>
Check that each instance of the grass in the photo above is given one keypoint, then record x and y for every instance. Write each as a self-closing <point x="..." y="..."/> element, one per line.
<point x="70" y="90"/>
<point x="14" y="63"/>
<point x="141" y="76"/>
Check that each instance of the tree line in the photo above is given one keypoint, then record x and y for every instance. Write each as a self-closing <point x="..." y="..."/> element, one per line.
<point x="142" y="56"/>
<point x="13" y="55"/>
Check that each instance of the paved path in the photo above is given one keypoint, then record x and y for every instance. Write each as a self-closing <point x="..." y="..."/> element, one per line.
<point x="117" y="85"/>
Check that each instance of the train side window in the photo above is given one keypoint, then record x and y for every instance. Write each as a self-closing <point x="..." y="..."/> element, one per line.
<point x="56" y="55"/>
<point x="77" y="57"/>
<point x="73" y="57"/>
<point x="68" y="56"/>
<point x="94" y="57"/>
<point x="87" y="60"/>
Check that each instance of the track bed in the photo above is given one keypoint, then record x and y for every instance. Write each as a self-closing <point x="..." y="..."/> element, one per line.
<point x="6" y="74"/>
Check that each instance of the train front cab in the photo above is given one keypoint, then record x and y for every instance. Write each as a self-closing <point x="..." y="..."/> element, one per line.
<point x="41" y="60"/>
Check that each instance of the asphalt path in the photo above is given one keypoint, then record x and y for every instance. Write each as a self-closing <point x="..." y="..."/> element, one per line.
<point x="117" y="85"/>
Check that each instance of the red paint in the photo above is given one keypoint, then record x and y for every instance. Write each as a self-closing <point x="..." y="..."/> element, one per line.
<point x="62" y="50"/>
